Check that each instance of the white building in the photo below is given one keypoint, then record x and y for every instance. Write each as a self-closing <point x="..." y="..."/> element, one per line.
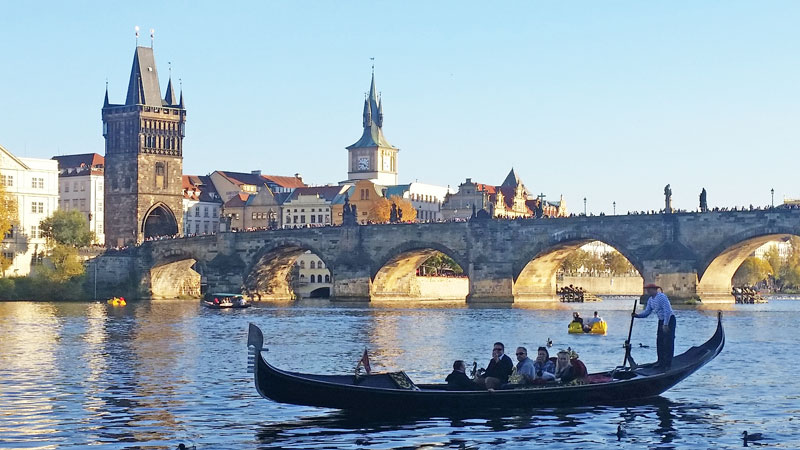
<point x="80" y="187"/>
<point x="427" y="199"/>
<point x="202" y="205"/>
<point x="310" y="206"/>
<point x="33" y="183"/>
<point x="784" y="247"/>
<point x="312" y="278"/>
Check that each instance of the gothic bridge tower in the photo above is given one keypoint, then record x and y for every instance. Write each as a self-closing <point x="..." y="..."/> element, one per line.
<point x="373" y="157"/>
<point x="144" y="158"/>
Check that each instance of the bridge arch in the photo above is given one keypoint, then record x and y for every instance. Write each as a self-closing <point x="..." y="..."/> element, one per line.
<point x="395" y="277"/>
<point x="273" y="275"/>
<point x="536" y="268"/>
<point x="176" y="273"/>
<point x="716" y="272"/>
<point x="159" y="221"/>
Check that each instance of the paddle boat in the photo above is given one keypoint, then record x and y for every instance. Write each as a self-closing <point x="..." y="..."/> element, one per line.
<point x="117" y="301"/>
<point x="600" y="327"/>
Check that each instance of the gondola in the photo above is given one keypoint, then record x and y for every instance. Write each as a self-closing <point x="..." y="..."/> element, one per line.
<point x="395" y="392"/>
<point x="224" y="301"/>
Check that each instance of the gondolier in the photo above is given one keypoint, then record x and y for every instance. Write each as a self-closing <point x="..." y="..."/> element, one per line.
<point x="658" y="302"/>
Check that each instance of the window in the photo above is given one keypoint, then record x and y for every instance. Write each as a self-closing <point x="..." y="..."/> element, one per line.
<point x="197" y="228"/>
<point x="160" y="176"/>
<point x="74" y="203"/>
<point x="83" y="203"/>
<point x="320" y="265"/>
<point x="313" y="278"/>
<point x="319" y="218"/>
<point x="205" y="211"/>
<point x="197" y="211"/>
<point x="37" y="183"/>
<point x="302" y="219"/>
<point x="313" y="220"/>
<point x="214" y="212"/>
<point x="99" y="206"/>
<point x="8" y="255"/>
<point x="206" y="228"/>
<point x="66" y="186"/>
<point x="8" y="180"/>
<point x="99" y="227"/>
<point x="37" y="207"/>
<point x="75" y="186"/>
<point x="302" y="264"/>
<point x="66" y="205"/>
<point x="9" y="233"/>
<point x="327" y="278"/>
<point x="288" y="219"/>
<point x="35" y="233"/>
<point x="313" y="265"/>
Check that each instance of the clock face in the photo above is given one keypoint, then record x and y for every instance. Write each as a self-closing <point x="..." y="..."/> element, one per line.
<point x="363" y="163"/>
<point x="386" y="163"/>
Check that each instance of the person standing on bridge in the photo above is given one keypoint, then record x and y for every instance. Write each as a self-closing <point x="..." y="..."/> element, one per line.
<point x="665" y="336"/>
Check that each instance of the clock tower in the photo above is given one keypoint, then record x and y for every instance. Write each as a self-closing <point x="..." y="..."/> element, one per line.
<point x="373" y="157"/>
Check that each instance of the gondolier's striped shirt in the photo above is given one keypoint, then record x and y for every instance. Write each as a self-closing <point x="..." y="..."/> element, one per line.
<point x="660" y="304"/>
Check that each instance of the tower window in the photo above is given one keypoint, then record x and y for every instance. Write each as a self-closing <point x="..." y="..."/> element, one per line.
<point x="160" y="176"/>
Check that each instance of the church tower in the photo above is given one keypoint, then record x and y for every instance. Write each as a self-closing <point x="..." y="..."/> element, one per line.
<point x="143" y="158"/>
<point x="373" y="157"/>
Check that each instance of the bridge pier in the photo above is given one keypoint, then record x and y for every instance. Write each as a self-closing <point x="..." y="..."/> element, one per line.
<point x="350" y="284"/>
<point x="491" y="282"/>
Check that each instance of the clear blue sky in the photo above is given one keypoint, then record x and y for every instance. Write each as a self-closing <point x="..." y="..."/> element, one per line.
<point x="604" y="100"/>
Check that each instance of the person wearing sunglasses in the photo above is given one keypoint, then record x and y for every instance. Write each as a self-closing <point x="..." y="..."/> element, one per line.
<point x="499" y="369"/>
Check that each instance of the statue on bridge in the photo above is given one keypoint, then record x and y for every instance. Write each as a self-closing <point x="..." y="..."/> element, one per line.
<point x="349" y="212"/>
<point x="393" y="214"/>
<point x="667" y="200"/>
<point x="703" y="201"/>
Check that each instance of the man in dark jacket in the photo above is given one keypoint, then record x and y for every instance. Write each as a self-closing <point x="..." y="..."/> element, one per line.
<point x="500" y="367"/>
<point x="458" y="379"/>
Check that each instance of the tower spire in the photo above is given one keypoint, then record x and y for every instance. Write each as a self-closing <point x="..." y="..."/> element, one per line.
<point x="169" y="98"/>
<point x="105" y="103"/>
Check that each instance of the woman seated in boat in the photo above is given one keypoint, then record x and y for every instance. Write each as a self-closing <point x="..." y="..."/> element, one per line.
<point x="564" y="370"/>
<point x="545" y="369"/>
<point x="458" y="379"/>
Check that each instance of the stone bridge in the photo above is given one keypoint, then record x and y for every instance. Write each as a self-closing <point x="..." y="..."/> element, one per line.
<point x="691" y="255"/>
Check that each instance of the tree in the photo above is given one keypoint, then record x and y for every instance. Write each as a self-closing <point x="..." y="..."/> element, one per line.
<point x="440" y="264"/>
<point x="381" y="209"/>
<point x="67" y="228"/>
<point x="617" y="264"/>
<point x="8" y="216"/>
<point x="773" y="258"/>
<point x="752" y="271"/>
<point x="66" y="263"/>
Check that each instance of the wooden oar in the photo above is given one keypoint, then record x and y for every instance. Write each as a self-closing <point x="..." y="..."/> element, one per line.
<point x="628" y="342"/>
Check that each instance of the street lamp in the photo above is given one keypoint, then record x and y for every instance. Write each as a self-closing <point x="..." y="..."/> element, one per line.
<point x="772" y="192"/>
<point x="584" y="206"/>
<point x="615" y="207"/>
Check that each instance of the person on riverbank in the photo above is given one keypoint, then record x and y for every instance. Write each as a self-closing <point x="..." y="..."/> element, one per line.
<point x="500" y="367"/>
<point x="658" y="302"/>
<point x="458" y="379"/>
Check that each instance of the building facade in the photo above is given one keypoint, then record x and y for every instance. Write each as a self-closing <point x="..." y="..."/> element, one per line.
<point x="427" y="199"/>
<point x="144" y="158"/>
<point x="33" y="184"/>
<point x="311" y="278"/>
<point x="257" y="211"/>
<point x="80" y="187"/>
<point x="311" y="206"/>
<point x="372" y="157"/>
<point x="202" y="205"/>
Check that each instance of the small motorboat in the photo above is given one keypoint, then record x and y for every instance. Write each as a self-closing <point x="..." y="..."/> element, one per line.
<point x="224" y="301"/>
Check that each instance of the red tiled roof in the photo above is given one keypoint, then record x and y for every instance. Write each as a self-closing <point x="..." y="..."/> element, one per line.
<point x="287" y="182"/>
<point x="81" y="160"/>
<point x="239" y="200"/>
<point x="485" y="188"/>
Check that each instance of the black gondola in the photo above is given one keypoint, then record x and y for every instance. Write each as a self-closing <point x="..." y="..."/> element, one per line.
<point x="395" y="391"/>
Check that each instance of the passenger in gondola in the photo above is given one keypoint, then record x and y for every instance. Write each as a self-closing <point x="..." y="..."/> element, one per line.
<point x="500" y="367"/>
<point x="564" y="370"/>
<point x="458" y="379"/>
<point x="545" y="369"/>
<point x="525" y="372"/>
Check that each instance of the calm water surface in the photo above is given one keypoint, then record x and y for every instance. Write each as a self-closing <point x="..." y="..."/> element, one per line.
<point x="156" y="373"/>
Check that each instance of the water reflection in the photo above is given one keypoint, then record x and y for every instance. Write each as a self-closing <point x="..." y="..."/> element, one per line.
<point x="152" y="374"/>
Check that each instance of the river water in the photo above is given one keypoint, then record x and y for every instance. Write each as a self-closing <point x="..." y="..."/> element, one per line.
<point x="154" y="374"/>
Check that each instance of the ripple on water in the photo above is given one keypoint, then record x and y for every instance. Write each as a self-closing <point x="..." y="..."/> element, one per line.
<point x="154" y="374"/>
